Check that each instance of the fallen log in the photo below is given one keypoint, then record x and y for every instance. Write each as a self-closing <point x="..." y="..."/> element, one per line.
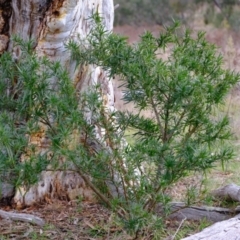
<point x="228" y="229"/>
<point x="180" y="211"/>
<point x="22" y="217"/>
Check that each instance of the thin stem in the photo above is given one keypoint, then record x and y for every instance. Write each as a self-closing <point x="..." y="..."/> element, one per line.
<point x="119" y="160"/>
<point x="157" y="117"/>
<point x="165" y="136"/>
<point x="89" y="183"/>
<point x="177" y="125"/>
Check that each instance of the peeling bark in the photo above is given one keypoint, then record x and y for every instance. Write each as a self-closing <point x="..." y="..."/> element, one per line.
<point x="51" y="23"/>
<point x="61" y="185"/>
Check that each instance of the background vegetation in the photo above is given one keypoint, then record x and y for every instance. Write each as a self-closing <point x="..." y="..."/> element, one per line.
<point x="147" y="12"/>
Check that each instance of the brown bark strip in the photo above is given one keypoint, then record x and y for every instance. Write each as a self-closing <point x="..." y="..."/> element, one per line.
<point x="5" y="14"/>
<point x="5" y="11"/>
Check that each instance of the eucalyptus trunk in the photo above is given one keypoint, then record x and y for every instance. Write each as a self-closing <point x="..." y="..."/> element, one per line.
<point x="51" y="23"/>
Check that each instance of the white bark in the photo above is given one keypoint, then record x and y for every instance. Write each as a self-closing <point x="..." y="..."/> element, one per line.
<point x="51" y="23"/>
<point x="228" y="229"/>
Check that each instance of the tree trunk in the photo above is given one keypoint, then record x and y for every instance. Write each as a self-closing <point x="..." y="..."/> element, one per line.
<point x="51" y="23"/>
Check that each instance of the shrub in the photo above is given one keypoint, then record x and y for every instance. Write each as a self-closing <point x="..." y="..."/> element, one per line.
<point x="182" y="92"/>
<point x="183" y="135"/>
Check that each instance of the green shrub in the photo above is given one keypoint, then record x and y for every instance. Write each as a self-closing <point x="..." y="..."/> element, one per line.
<point x="183" y="135"/>
<point x="182" y="91"/>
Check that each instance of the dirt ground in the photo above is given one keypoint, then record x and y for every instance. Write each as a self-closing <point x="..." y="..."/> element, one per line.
<point x="76" y="220"/>
<point x="63" y="220"/>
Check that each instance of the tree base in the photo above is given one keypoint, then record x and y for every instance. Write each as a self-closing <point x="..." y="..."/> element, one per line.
<point x="54" y="185"/>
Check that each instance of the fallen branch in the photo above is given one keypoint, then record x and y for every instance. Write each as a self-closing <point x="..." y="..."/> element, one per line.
<point x="22" y="217"/>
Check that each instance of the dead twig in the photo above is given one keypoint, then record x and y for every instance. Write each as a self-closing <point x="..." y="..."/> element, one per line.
<point x="180" y="225"/>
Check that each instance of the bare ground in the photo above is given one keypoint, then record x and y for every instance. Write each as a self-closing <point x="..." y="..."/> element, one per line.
<point x="76" y="220"/>
<point x="64" y="220"/>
